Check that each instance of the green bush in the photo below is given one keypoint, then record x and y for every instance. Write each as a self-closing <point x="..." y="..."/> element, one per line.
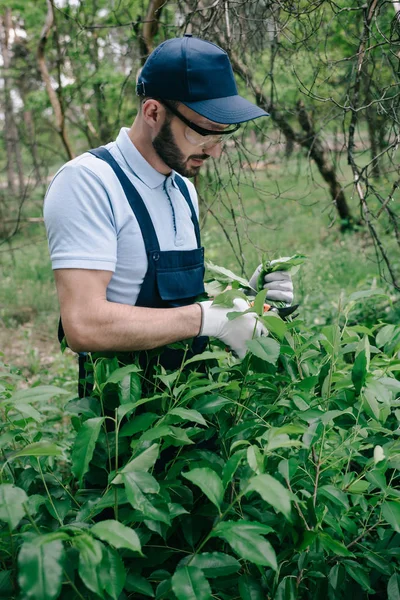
<point x="275" y="477"/>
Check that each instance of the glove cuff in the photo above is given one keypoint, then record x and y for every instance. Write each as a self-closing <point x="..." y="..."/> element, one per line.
<point x="210" y="319"/>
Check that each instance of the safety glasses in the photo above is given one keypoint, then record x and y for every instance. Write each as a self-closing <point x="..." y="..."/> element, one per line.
<point x="196" y="134"/>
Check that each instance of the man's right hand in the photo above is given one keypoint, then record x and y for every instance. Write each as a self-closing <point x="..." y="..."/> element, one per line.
<point x="235" y="333"/>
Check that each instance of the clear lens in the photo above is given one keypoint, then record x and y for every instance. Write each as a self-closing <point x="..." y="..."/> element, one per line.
<point x="206" y="141"/>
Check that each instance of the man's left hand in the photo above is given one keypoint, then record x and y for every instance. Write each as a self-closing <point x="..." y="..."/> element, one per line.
<point x="279" y="284"/>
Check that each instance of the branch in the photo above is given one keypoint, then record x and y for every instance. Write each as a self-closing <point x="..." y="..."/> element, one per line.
<point x="54" y="100"/>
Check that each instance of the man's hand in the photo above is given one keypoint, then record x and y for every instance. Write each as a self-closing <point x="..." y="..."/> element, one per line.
<point x="278" y="284"/>
<point x="233" y="333"/>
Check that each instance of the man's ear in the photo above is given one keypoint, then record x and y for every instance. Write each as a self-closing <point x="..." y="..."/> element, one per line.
<point x="153" y="112"/>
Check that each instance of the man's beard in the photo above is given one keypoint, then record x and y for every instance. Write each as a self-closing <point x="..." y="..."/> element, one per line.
<point x="166" y="148"/>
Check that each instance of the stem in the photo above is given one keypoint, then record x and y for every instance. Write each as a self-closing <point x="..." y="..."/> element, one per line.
<point x="71" y="583"/>
<point x="49" y="495"/>
<point x="301" y="514"/>
<point x="362" y="535"/>
<point x="220" y="518"/>
<point x="317" y="466"/>
<point x="117" y="424"/>
<point x="65" y="489"/>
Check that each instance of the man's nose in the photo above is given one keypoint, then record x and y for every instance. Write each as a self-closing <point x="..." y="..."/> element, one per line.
<point x="214" y="151"/>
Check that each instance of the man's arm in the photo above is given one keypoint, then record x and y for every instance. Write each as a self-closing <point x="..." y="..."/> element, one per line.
<point x="92" y="323"/>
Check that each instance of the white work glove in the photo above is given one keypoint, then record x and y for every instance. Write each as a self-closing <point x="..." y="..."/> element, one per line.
<point x="279" y="284"/>
<point x="235" y="333"/>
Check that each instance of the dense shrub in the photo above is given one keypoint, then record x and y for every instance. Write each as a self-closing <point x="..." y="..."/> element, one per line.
<point x="275" y="477"/>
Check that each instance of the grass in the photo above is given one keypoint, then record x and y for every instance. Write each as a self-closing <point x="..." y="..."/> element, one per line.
<point x="286" y="210"/>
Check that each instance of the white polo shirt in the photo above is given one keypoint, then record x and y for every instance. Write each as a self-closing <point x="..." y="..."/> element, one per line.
<point x="90" y="224"/>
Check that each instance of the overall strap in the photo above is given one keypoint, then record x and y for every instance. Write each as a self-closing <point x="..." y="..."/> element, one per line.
<point x="185" y="193"/>
<point x="134" y="198"/>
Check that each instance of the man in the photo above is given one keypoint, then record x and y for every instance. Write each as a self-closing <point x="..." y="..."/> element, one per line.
<point x="122" y="221"/>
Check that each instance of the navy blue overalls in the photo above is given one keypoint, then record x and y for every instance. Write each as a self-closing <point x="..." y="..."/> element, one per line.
<point x="173" y="278"/>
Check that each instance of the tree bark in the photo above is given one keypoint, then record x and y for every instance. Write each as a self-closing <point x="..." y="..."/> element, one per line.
<point x="11" y="132"/>
<point x="54" y="99"/>
<point x="150" y="27"/>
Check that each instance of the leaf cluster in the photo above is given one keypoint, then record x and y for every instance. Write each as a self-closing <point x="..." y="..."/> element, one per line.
<point x="272" y="477"/>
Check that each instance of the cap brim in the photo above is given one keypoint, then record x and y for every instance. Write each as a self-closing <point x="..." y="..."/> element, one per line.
<point x="232" y="109"/>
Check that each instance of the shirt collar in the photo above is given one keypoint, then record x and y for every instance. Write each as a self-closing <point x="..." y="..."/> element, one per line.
<point x="138" y="164"/>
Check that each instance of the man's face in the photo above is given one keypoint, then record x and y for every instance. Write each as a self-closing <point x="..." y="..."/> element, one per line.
<point x="176" y="151"/>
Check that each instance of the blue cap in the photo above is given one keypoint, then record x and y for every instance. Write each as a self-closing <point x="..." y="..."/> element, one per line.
<point x="198" y="74"/>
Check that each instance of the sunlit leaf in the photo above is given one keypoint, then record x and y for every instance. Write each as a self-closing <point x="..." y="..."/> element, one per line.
<point x="272" y="491"/>
<point x="117" y="534"/>
<point x="12" y="499"/>
<point x="209" y="483"/>
<point x="189" y="583"/>
<point x="40" y="569"/>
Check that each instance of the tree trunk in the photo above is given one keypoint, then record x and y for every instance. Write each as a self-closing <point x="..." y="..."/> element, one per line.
<point x="150" y="27"/>
<point x="54" y="99"/>
<point x="11" y="133"/>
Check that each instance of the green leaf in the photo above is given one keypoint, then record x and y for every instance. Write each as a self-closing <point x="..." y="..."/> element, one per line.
<point x="158" y="432"/>
<point x="227" y="298"/>
<point x="209" y="483"/>
<point x="90" y="575"/>
<point x="207" y="355"/>
<point x="6" y="584"/>
<point x="335" y="495"/>
<point x="83" y="449"/>
<point x="142" y="462"/>
<point x="124" y="409"/>
<point x="332" y="545"/>
<point x="210" y="404"/>
<point x="189" y="583"/>
<point x="358" y="487"/>
<point x="359" y="575"/>
<point x="139" y="423"/>
<point x="359" y="371"/>
<point x="213" y="564"/>
<point x="259" y="302"/>
<point x="137" y="583"/>
<point x="265" y="348"/>
<point x="138" y="500"/>
<point x="117" y="535"/>
<point x="231" y="467"/>
<point x="247" y="544"/>
<point x="366" y="294"/>
<point x="40" y="569"/>
<point x="90" y="549"/>
<point x="391" y="514"/>
<point x="28" y="410"/>
<point x="189" y="415"/>
<point x="287" y="589"/>
<point x="272" y="491"/>
<point x="40" y="393"/>
<point x="119" y="374"/>
<point x="250" y="588"/>
<point x="12" y="499"/>
<point x="275" y="324"/>
<point x="112" y="574"/>
<point x="222" y="274"/>
<point x="37" y="449"/>
<point x="385" y="335"/>
<point x="393" y="588"/>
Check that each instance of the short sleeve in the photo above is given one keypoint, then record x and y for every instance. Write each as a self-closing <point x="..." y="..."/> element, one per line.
<point x="79" y="221"/>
